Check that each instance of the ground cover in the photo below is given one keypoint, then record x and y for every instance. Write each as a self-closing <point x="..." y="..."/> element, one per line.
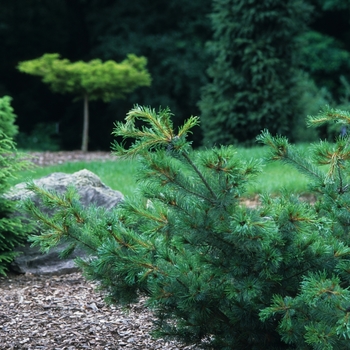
<point x="66" y="312"/>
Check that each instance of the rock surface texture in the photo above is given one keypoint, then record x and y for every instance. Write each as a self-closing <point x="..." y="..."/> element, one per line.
<point x="91" y="191"/>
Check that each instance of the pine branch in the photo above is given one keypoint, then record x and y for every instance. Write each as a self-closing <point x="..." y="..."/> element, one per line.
<point x="282" y="151"/>
<point x="159" y="135"/>
<point x="189" y="160"/>
<point x="327" y="115"/>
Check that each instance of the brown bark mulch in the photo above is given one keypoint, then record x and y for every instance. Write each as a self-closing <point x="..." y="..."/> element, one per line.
<point x="66" y="313"/>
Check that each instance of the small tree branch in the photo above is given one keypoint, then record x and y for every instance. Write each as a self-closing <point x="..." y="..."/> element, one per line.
<point x="189" y="160"/>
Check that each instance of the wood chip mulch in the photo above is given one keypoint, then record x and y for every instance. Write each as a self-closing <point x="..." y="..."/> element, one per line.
<point x="66" y="313"/>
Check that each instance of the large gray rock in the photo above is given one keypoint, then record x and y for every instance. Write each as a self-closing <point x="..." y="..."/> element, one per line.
<point x="91" y="191"/>
<point x="89" y="186"/>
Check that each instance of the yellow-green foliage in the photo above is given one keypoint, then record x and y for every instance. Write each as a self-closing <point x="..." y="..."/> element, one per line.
<point x="99" y="80"/>
<point x="92" y="80"/>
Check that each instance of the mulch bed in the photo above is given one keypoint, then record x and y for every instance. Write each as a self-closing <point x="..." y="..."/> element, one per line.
<point x="65" y="313"/>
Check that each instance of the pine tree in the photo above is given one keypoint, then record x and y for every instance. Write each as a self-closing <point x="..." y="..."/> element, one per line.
<point x="12" y="231"/>
<point x="215" y="272"/>
<point x="319" y="314"/>
<point x="254" y="72"/>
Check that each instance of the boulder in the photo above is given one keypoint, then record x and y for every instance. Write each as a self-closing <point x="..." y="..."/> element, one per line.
<point x="32" y="261"/>
<point x="91" y="191"/>
<point x="89" y="186"/>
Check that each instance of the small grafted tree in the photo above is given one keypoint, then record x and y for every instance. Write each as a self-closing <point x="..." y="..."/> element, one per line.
<point x="89" y="81"/>
<point x="254" y="73"/>
<point x="215" y="272"/>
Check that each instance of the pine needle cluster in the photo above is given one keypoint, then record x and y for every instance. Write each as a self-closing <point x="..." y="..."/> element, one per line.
<point x="216" y="273"/>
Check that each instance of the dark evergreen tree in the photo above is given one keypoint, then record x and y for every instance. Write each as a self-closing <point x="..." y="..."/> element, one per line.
<point x="254" y="73"/>
<point x="215" y="272"/>
<point x="171" y="35"/>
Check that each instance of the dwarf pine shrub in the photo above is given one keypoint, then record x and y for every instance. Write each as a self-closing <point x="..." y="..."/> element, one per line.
<point x="216" y="273"/>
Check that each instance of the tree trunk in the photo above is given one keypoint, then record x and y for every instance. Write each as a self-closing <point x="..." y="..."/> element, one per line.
<point x="84" y="145"/>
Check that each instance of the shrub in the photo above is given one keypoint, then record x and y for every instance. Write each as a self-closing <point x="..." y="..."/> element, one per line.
<point x="215" y="272"/>
<point x="12" y="231"/>
<point x="7" y="117"/>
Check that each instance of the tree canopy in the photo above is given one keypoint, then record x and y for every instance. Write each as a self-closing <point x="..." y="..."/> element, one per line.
<point x="92" y="80"/>
<point x="254" y="70"/>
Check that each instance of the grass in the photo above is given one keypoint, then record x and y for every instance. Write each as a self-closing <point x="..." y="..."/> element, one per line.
<point x="121" y="174"/>
<point x="276" y="176"/>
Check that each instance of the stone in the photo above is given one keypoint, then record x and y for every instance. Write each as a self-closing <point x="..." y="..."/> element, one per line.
<point x="32" y="261"/>
<point x="89" y="186"/>
<point x="91" y="191"/>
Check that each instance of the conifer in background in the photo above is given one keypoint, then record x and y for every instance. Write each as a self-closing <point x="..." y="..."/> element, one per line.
<point x="7" y="117"/>
<point x="12" y="231"/>
<point x="215" y="272"/>
<point x="254" y="73"/>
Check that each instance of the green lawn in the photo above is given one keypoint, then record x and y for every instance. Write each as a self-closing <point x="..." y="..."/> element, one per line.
<point x="276" y="176"/>
<point x="121" y="174"/>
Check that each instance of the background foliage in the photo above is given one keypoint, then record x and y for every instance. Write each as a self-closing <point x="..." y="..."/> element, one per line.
<point x="171" y="35"/>
<point x="254" y="72"/>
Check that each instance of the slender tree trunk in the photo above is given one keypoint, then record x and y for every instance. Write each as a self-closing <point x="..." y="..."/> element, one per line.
<point x="84" y="145"/>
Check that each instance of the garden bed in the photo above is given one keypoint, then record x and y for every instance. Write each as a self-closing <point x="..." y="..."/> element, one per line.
<point x="65" y="312"/>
